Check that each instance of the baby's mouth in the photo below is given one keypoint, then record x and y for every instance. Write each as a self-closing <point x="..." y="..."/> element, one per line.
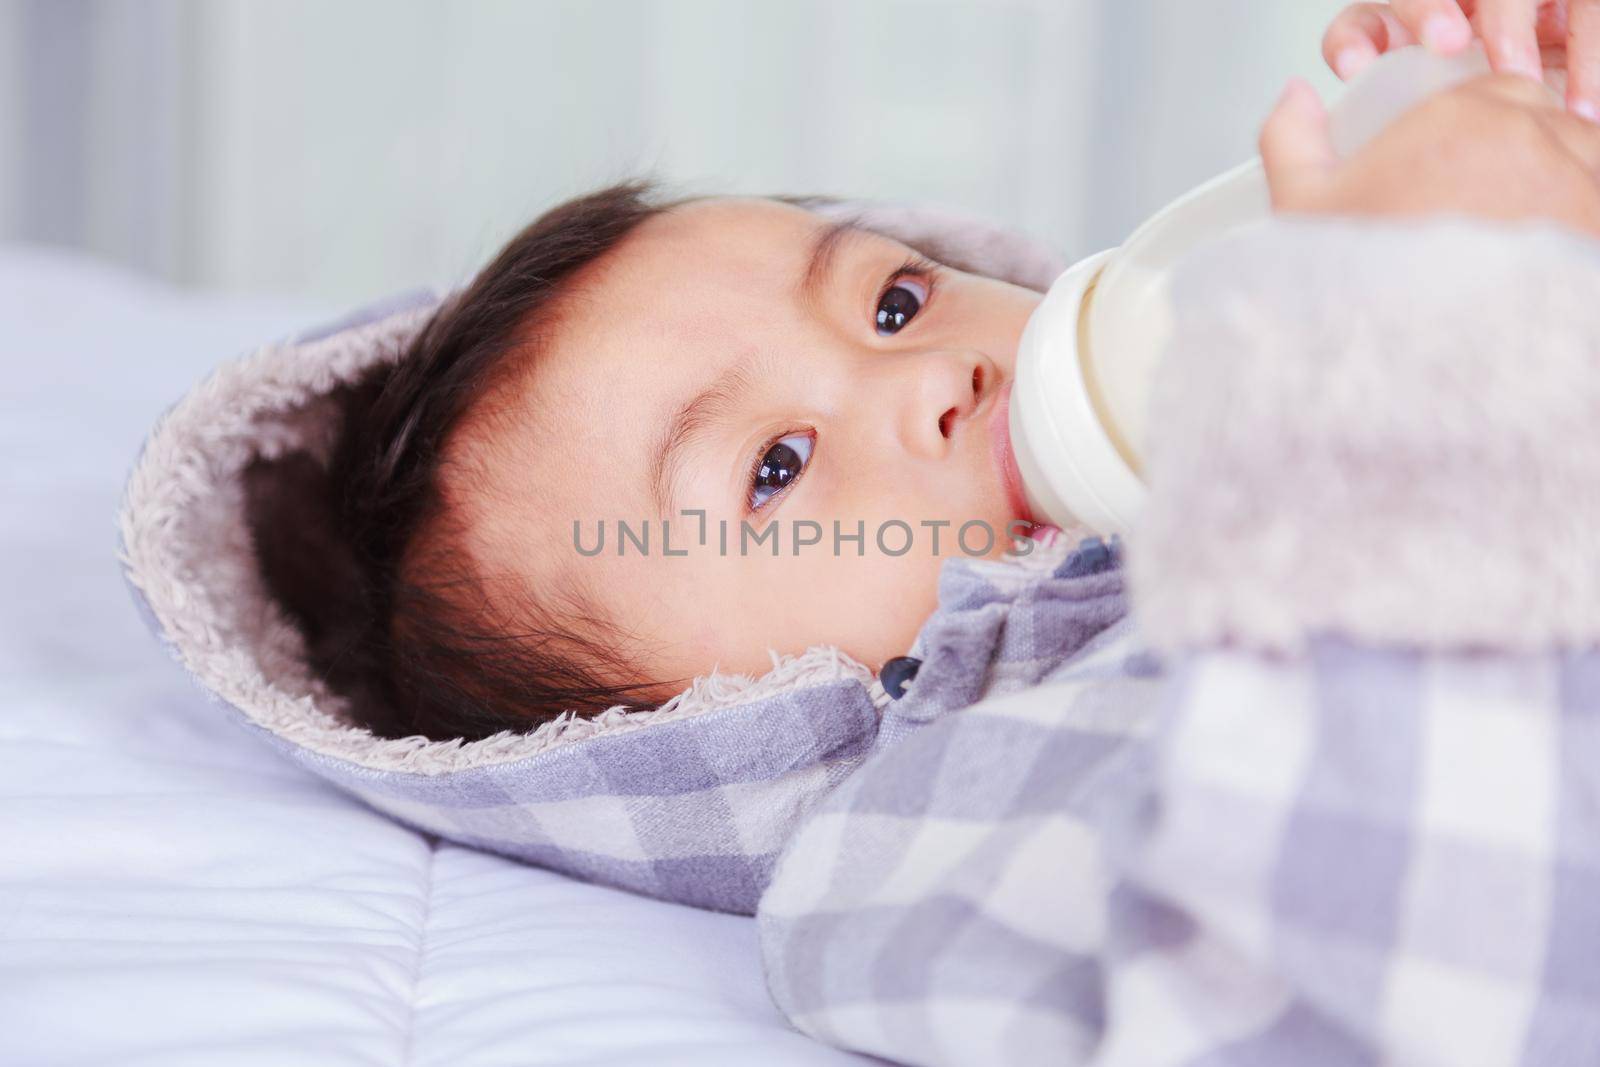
<point x="1005" y="458"/>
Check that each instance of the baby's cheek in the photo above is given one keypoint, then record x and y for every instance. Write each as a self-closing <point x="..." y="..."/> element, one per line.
<point x="739" y="609"/>
<point x="709" y="644"/>
<point x="883" y="604"/>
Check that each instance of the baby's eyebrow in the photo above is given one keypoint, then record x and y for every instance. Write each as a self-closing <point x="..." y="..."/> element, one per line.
<point x="824" y="251"/>
<point x="703" y="410"/>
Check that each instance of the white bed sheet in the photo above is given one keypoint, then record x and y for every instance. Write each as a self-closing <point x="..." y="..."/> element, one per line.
<point x="171" y="891"/>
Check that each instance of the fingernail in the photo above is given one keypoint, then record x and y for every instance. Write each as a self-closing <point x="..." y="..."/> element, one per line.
<point x="1586" y="109"/>
<point x="1445" y="34"/>
<point x="1351" y="61"/>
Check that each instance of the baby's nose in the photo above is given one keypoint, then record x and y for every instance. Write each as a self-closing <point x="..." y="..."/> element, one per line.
<point x="950" y="388"/>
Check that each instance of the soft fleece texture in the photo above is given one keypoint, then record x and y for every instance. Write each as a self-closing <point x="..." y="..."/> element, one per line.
<point x="1416" y="402"/>
<point x="689" y="802"/>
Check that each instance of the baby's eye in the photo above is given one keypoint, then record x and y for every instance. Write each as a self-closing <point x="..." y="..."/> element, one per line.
<point x="779" y="466"/>
<point x="899" y="304"/>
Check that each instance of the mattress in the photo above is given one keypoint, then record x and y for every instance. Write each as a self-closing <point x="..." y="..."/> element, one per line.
<point x="171" y="891"/>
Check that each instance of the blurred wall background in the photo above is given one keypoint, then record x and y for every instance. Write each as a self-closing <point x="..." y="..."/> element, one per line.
<point x="342" y="149"/>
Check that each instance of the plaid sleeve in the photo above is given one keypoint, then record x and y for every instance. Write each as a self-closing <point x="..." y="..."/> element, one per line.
<point x="1371" y="856"/>
<point x="1367" y="856"/>
<point x="948" y="904"/>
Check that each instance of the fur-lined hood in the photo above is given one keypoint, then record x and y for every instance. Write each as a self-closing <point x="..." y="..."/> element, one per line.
<point x="725" y="766"/>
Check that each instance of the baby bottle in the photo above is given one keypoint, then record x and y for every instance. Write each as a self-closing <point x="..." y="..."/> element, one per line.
<point x="1086" y="359"/>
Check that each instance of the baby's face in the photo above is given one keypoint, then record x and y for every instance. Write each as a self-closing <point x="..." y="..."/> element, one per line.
<point x="745" y="359"/>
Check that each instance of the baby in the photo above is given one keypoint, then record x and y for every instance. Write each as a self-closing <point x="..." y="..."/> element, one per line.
<point x="618" y="457"/>
<point x="658" y="437"/>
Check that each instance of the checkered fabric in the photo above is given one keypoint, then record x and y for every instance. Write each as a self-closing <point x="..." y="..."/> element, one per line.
<point x="696" y="810"/>
<point x="693" y="810"/>
<point x="1365" y="856"/>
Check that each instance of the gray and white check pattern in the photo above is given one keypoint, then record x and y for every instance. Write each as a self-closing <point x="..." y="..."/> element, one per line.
<point x="693" y="811"/>
<point x="1364" y="856"/>
<point x="697" y="810"/>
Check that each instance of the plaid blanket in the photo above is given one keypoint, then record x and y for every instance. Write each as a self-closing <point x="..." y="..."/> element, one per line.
<point x="1248" y="863"/>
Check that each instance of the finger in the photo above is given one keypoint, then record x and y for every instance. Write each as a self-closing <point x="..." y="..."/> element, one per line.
<point x="1439" y="24"/>
<point x="1551" y="27"/>
<point x="1583" y="59"/>
<point x="1296" y="148"/>
<point x="1509" y="29"/>
<point x="1360" y="34"/>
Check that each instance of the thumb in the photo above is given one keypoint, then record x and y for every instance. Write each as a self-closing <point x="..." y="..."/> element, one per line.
<point x="1296" y="147"/>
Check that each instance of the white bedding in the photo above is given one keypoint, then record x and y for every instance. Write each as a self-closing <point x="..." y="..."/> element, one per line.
<point x="171" y="892"/>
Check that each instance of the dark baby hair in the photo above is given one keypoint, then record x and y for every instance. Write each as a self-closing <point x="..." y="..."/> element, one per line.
<point x="369" y="563"/>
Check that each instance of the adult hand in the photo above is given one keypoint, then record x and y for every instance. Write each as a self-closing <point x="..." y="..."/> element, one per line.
<point x="1513" y="33"/>
<point x="1499" y="147"/>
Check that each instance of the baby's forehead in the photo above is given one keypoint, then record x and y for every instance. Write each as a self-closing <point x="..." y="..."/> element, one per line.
<point x="706" y="239"/>
<point x="734" y="215"/>
<point x="688" y="292"/>
<point x="690" y="289"/>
